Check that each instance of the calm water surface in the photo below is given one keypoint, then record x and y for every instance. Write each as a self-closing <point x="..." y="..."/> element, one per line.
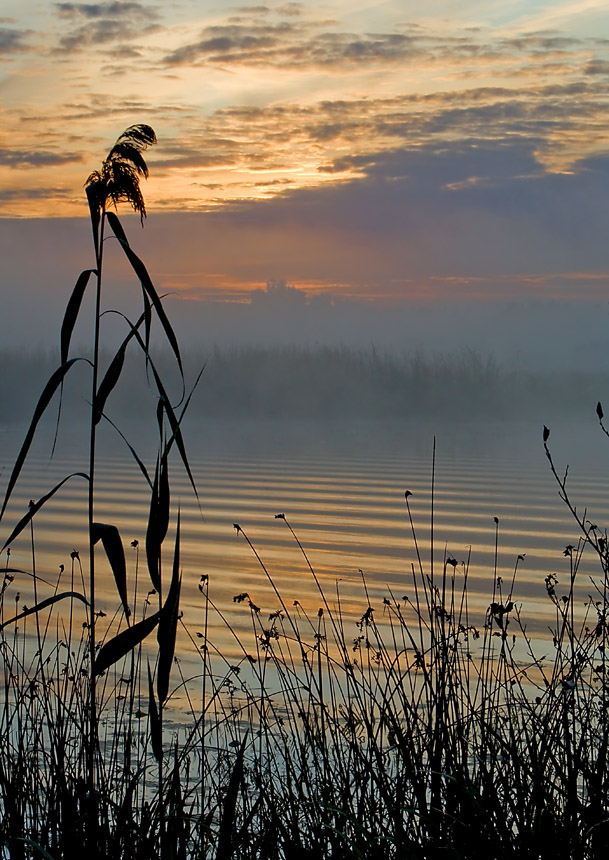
<point x="341" y="486"/>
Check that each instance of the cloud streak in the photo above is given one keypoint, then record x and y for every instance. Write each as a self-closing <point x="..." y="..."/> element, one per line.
<point x="351" y="153"/>
<point x="13" y="41"/>
<point x="104" y="23"/>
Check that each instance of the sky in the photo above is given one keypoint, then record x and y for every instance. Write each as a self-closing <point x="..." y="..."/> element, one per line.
<point x="387" y="153"/>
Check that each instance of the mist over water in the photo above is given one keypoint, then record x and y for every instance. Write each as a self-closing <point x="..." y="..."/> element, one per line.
<point x="327" y="411"/>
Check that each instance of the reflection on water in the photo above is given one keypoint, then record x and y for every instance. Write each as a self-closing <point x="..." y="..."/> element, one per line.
<point x="341" y="487"/>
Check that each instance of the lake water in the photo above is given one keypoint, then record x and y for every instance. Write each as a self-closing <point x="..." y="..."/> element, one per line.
<point x="341" y="486"/>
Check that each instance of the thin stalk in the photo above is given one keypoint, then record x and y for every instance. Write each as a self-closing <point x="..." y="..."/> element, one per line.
<point x="92" y="740"/>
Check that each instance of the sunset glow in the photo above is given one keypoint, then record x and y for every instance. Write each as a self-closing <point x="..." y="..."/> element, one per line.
<point x="321" y="129"/>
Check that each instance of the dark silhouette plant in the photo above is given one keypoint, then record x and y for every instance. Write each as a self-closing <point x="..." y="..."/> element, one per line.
<point x="116" y="182"/>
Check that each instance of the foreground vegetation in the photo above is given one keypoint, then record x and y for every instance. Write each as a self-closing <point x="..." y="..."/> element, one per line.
<point x="420" y="728"/>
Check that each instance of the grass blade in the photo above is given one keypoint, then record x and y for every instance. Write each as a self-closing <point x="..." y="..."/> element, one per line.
<point x="158" y="522"/>
<point x="113" y="372"/>
<point x="71" y="314"/>
<point x="156" y="733"/>
<point x="174" y="423"/>
<point x="134" y="453"/>
<point x="113" y="545"/>
<point x="120" y="645"/>
<point x="45" y="398"/>
<point x="168" y="624"/>
<point x="33" y="509"/>
<point x="44" y="604"/>
<point x="229" y="808"/>
<point x="109" y="381"/>
<point x="140" y="270"/>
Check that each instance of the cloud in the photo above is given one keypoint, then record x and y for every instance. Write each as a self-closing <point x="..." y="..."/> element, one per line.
<point x="105" y="23"/>
<point x="104" y="10"/>
<point x="297" y="41"/>
<point x="413" y="215"/>
<point x="17" y="158"/>
<point x="10" y="195"/>
<point x="13" y="41"/>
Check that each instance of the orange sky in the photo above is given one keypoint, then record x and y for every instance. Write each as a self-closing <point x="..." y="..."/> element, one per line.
<point x="356" y="148"/>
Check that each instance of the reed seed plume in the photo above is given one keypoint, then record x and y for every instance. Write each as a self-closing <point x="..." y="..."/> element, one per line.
<point x="118" y="180"/>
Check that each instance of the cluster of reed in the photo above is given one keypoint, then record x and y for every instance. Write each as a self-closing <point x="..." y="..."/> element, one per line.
<point x="418" y="729"/>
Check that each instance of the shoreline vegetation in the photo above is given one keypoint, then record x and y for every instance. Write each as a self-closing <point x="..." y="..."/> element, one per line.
<point x="320" y="383"/>
<point x="419" y="727"/>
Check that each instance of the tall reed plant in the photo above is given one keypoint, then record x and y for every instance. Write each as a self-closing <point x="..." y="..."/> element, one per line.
<point x="116" y="182"/>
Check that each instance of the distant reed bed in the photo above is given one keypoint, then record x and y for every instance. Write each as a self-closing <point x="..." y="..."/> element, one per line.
<point x="321" y="383"/>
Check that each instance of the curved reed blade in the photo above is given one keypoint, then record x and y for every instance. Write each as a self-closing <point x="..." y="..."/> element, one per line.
<point x="156" y="732"/>
<point x="45" y="398"/>
<point x="93" y="200"/>
<point x="34" y="508"/>
<point x="174" y="423"/>
<point x="71" y="314"/>
<point x="164" y="406"/>
<point x="31" y="610"/>
<point x="31" y="843"/>
<point x="168" y="624"/>
<point x="123" y="643"/>
<point x="229" y="808"/>
<point x="113" y="545"/>
<point x="113" y="373"/>
<point x="67" y="327"/>
<point x="134" y="453"/>
<point x="140" y="270"/>
<point x="107" y="384"/>
<point x="158" y="522"/>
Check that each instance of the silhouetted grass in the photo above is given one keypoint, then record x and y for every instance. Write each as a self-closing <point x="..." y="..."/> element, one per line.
<point x="416" y="729"/>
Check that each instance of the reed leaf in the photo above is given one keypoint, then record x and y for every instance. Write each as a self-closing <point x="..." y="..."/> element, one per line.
<point x="113" y="373"/>
<point x="111" y="377"/>
<point x="123" y="643"/>
<point x="45" y="398"/>
<point x="165" y="406"/>
<point x="156" y="730"/>
<point x="113" y="545"/>
<point x="168" y="623"/>
<point x="35" y="507"/>
<point x="174" y="423"/>
<point x="134" y="453"/>
<point x="31" y="610"/>
<point x="71" y="314"/>
<point x="92" y="192"/>
<point x="35" y="846"/>
<point x="158" y="522"/>
<point x="224" y="850"/>
<point x="140" y="270"/>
